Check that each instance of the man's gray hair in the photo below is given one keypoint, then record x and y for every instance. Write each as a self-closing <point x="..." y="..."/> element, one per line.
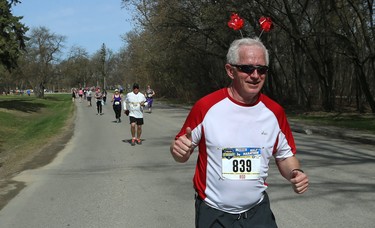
<point x="233" y="54"/>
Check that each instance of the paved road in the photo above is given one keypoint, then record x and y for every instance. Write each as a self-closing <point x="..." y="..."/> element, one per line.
<point x="99" y="180"/>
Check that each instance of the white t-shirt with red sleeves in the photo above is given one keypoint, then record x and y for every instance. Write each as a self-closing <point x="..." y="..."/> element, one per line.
<point x="236" y="142"/>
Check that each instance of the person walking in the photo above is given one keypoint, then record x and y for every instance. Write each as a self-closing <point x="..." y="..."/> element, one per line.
<point x="73" y="95"/>
<point x="80" y="94"/>
<point x="133" y="107"/>
<point x="88" y="97"/>
<point x="237" y="130"/>
<point x="149" y="98"/>
<point x="104" y="96"/>
<point x="99" y="101"/>
<point x="116" y="103"/>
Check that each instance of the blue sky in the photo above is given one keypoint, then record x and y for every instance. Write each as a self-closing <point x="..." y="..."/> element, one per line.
<point x="84" y="23"/>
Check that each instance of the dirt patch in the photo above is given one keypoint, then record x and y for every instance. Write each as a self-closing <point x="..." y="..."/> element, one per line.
<point x="32" y="159"/>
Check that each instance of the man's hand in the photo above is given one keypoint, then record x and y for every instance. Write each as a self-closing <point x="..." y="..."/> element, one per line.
<point x="299" y="181"/>
<point x="182" y="147"/>
<point x="126" y="112"/>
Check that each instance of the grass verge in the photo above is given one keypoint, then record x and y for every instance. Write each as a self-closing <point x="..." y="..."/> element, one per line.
<point x="27" y="124"/>
<point x="355" y="121"/>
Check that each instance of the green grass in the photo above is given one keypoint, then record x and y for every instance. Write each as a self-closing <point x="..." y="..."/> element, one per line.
<point x="27" y="122"/>
<point x="363" y="122"/>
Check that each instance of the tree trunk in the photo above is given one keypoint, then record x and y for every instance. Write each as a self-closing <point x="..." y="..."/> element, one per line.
<point x="39" y="91"/>
<point x="364" y="87"/>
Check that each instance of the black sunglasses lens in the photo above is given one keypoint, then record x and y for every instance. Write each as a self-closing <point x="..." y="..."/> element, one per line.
<point x="262" y="70"/>
<point x="247" y="69"/>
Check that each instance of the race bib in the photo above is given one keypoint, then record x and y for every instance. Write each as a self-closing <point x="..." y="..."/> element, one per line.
<point x="117" y="102"/>
<point x="241" y="163"/>
<point x="134" y="105"/>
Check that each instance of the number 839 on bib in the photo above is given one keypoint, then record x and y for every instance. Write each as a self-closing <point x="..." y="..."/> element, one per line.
<point x="241" y="163"/>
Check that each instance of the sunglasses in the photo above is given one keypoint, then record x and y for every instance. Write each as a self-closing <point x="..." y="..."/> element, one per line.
<point x="249" y="69"/>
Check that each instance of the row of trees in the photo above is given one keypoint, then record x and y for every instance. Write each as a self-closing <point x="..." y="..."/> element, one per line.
<point x="36" y="61"/>
<point x="322" y="52"/>
<point x="40" y="66"/>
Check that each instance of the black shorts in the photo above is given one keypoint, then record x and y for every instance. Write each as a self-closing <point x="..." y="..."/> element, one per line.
<point x="258" y="216"/>
<point x="138" y="121"/>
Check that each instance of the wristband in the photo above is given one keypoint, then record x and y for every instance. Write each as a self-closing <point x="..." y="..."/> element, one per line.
<point x="297" y="170"/>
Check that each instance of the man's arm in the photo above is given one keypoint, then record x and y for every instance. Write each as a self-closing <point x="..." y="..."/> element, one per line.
<point x="125" y="102"/>
<point x="291" y="170"/>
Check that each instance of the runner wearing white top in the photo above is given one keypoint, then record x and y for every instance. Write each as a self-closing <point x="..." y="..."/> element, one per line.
<point x="133" y="106"/>
<point x="238" y="130"/>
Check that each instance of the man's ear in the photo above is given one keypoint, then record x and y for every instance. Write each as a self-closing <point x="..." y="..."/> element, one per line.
<point x="229" y="70"/>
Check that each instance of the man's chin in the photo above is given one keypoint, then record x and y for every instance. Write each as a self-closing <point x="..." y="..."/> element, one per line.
<point x="253" y="91"/>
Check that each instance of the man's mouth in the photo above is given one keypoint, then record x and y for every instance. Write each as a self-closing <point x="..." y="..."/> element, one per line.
<point x="253" y="83"/>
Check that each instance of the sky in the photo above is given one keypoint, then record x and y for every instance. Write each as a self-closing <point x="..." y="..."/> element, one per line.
<point x="85" y="23"/>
